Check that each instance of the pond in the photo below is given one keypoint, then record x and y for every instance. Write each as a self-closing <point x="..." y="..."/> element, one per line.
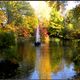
<point x="54" y="60"/>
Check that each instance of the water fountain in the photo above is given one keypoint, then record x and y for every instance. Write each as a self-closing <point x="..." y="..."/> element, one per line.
<point x="37" y="42"/>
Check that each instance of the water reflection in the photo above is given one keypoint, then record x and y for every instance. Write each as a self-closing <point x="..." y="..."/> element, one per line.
<point x="61" y="61"/>
<point x="65" y="73"/>
<point x="44" y="65"/>
<point x="8" y="69"/>
<point x="8" y="63"/>
<point x="27" y="59"/>
<point x="49" y="61"/>
<point x="54" y="62"/>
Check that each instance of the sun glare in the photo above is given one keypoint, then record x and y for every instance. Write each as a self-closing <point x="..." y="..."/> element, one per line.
<point x="34" y="4"/>
<point x="42" y="10"/>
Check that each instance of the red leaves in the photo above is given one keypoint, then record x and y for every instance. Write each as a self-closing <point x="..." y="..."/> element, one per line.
<point x="43" y="32"/>
<point x="24" y="32"/>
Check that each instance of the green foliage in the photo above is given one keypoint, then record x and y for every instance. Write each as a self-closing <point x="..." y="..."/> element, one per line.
<point x="56" y="20"/>
<point x="73" y="17"/>
<point x="16" y="9"/>
<point x="10" y="53"/>
<point x="7" y="39"/>
<point x="55" y="16"/>
<point x="72" y="23"/>
<point x="67" y="27"/>
<point x="19" y="14"/>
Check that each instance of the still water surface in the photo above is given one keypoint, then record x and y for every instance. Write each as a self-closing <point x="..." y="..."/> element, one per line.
<point x="49" y="61"/>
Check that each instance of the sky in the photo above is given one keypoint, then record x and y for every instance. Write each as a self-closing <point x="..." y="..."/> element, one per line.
<point x="71" y="5"/>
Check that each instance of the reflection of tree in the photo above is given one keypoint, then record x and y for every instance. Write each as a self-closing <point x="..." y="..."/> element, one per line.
<point x="71" y="54"/>
<point x="27" y="58"/>
<point x="9" y="63"/>
<point x="44" y="65"/>
<point x="70" y="50"/>
<point x="56" y="53"/>
<point x="10" y="54"/>
<point x="60" y="53"/>
<point x="8" y="69"/>
<point x="68" y="55"/>
<point x="76" y="58"/>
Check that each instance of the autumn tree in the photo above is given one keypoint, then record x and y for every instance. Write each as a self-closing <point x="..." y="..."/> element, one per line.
<point x="15" y="10"/>
<point x="56" y="19"/>
<point x="73" y="21"/>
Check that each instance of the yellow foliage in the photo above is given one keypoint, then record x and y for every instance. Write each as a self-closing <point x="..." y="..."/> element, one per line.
<point x="10" y="27"/>
<point x="2" y="16"/>
<point x="30" y="21"/>
<point x="70" y="26"/>
<point x="45" y="22"/>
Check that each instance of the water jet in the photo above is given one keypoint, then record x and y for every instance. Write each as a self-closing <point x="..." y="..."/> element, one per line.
<point x="37" y="42"/>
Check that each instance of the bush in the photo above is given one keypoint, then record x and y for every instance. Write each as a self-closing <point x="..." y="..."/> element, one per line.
<point x="7" y="39"/>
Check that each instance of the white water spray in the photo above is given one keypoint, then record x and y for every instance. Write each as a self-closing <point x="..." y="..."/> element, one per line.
<point x="37" y="35"/>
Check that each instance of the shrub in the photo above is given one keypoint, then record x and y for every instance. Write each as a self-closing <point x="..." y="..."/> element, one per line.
<point x="7" y="39"/>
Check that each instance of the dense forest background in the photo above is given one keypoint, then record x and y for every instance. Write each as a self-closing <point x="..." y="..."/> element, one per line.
<point x="19" y="18"/>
